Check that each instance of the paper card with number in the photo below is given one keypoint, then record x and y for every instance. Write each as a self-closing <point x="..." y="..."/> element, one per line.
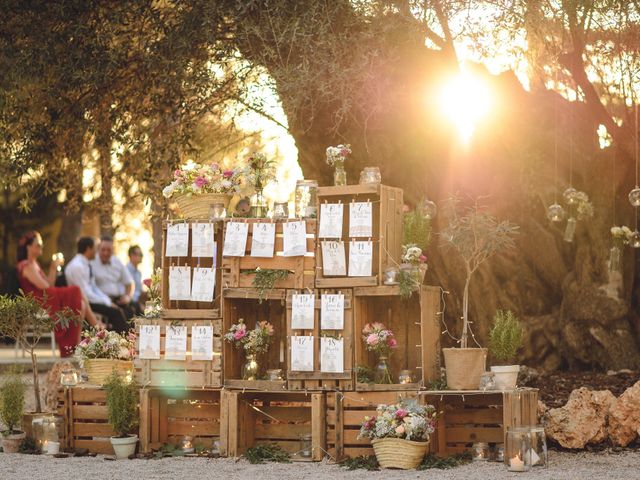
<point x="202" y="240"/>
<point x="360" y="219"/>
<point x="360" y="258"/>
<point x="202" y="343"/>
<point x="331" y="220"/>
<point x="302" y="354"/>
<point x="333" y="259"/>
<point x="203" y="285"/>
<point x="175" y="343"/>
<point x="302" y="311"/>
<point x="331" y="355"/>
<point x="235" y="239"/>
<point x="149" y="342"/>
<point x="263" y="240"/>
<point x="295" y="239"/>
<point x="332" y="312"/>
<point x="177" y="240"/>
<point x="179" y="283"/>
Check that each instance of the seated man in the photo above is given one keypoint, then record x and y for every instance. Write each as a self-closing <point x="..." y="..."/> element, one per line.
<point x="79" y="272"/>
<point x="112" y="277"/>
<point x="135" y="257"/>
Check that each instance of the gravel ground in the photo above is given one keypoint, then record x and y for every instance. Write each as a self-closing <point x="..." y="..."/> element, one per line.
<point x="622" y="466"/>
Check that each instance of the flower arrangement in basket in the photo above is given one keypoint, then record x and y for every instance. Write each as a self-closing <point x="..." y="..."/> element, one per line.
<point x="336" y="157"/>
<point x="380" y="340"/>
<point x="253" y="342"/>
<point x="400" y="433"/>
<point x="101" y="352"/>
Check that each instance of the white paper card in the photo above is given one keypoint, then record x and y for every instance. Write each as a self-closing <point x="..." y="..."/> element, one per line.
<point x="331" y="220"/>
<point x="175" y="343"/>
<point x="360" y="258"/>
<point x="202" y="240"/>
<point x="295" y="239"/>
<point x="302" y="311"/>
<point x="179" y="283"/>
<point x="360" y="219"/>
<point x="204" y="283"/>
<point x="331" y="355"/>
<point x="177" y="240"/>
<point x="150" y="342"/>
<point x="235" y="239"/>
<point x="302" y="354"/>
<point x="333" y="259"/>
<point x="264" y="239"/>
<point x="202" y="343"/>
<point x="332" y="312"/>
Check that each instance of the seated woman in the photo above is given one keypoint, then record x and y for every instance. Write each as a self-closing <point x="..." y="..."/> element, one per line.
<point x="33" y="280"/>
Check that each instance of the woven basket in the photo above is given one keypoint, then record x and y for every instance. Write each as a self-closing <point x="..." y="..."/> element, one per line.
<point x="464" y="367"/>
<point x="194" y="207"/>
<point x="99" y="369"/>
<point x="399" y="453"/>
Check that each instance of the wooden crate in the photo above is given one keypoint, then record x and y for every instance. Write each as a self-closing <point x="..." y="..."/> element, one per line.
<point x="466" y="417"/>
<point x="415" y="323"/>
<point x="167" y="415"/>
<point x="317" y="380"/>
<point x="182" y="373"/>
<point x="345" y="414"/>
<point x="237" y="271"/>
<point x="255" y="418"/>
<point x="243" y="303"/>
<point x="191" y="261"/>
<point x="387" y="230"/>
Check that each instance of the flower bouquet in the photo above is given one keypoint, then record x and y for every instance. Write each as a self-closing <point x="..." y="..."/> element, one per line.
<point x="259" y="172"/>
<point x="620" y="237"/>
<point x="253" y="342"/>
<point x="400" y="433"/>
<point x="101" y="352"/>
<point x="412" y="270"/>
<point x="336" y="157"/>
<point x="380" y="340"/>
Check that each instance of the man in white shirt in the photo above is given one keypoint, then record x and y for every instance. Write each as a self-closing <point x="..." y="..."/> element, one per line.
<point x="79" y="272"/>
<point x="112" y="277"/>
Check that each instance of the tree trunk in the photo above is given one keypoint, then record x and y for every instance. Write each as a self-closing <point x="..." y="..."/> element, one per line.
<point x="465" y="313"/>
<point x="36" y="381"/>
<point x="105" y="207"/>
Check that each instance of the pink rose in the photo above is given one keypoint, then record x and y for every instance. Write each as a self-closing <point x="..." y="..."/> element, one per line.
<point x="400" y="430"/>
<point x="405" y="208"/>
<point x="372" y="339"/>
<point x="423" y="258"/>
<point x="84" y="342"/>
<point x="177" y="173"/>
<point x="101" y="334"/>
<point x="392" y="342"/>
<point x="401" y="413"/>
<point x="240" y="334"/>
<point x="228" y="174"/>
<point x="344" y="152"/>
<point x="200" y="182"/>
<point x="367" y="329"/>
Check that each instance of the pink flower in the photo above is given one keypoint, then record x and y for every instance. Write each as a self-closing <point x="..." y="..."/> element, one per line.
<point x="377" y="326"/>
<point x="228" y="174"/>
<point x="401" y="413"/>
<point x="405" y="208"/>
<point x="367" y="329"/>
<point x="423" y="258"/>
<point x="400" y="430"/>
<point x="200" y="182"/>
<point x="392" y="342"/>
<point x="101" y="334"/>
<point x="344" y="152"/>
<point x="240" y="334"/>
<point x="84" y="342"/>
<point x="372" y="339"/>
<point x="177" y="173"/>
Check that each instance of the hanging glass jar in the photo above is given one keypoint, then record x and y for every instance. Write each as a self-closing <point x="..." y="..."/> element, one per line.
<point x="429" y="209"/>
<point x="555" y="213"/>
<point x="250" y="367"/>
<point x="306" y="199"/>
<point x="570" y="230"/>
<point x="634" y="239"/>
<point x="634" y="197"/>
<point x="382" y="372"/>
<point x="370" y="176"/>
<point x="615" y="257"/>
<point x="69" y="377"/>
<point x="539" y="455"/>
<point x="339" y="173"/>
<point x="517" y="449"/>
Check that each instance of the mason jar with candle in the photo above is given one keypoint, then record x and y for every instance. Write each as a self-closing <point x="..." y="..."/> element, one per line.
<point x="281" y="210"/>
<point x="539" y="454"/>
<point x="517" y="449"/>
<point x="186" y="444"/>
<point x="69" y="377"/>
<point x="275" y="374"/>
<point x="405" y="377"/>
<point x="217" y="211"/>
<point x="306" y="199"/>
<point x="480" y="452"/>
<point x="305" y="445"/>
<point x="370" y="176"/>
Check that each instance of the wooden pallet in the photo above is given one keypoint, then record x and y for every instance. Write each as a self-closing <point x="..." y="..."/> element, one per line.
<point x="317" y="380"/>
<point x="415" y="323"/>
<point x="387" y="230"/>
<point x="255" y="418"/>
<point x="237" y="271"/>
<point x="167" y="415"/>
<point x="466" y="417"/>
<point x="345" y="414"/>
<point x="181" y="373"/>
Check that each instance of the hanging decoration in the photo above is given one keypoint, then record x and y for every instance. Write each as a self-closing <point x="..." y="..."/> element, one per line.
<point x="555" y="211"/>
<point x="634" y="195"/>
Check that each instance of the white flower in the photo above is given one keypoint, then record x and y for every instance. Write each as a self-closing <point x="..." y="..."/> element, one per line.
<point x="168" y="190"/>
<point x="615" y="231"/>
<point x="190" y="165"/>
<point x="626" y="230"/>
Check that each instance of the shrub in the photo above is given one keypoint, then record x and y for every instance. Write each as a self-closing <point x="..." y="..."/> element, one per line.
<point x="12" y="401"/>
<point x="506" y="336"/>
<point x="122" y="404"/>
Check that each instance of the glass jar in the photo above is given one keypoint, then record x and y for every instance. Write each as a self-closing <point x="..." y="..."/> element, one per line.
<point x="517" y="449"/>
<point x="250" y="367"/>
<point x="305" y="449"/>
<point x="570" y="230"/>
<point x="275" y="374"/>
<point x="38" y="432"/>
<point x="51" y="435"/>
<point x="259" y="206"/>
<point x="539" y="455"/>
<point x="69" y="377"/>
<point x="306" y="199"/>
<point x="480" y="452"/>
<point x="498" y="453"/>
<point x="382" y="373"/>
<point x="339" y="174"/>
<point x="281" y="210"/>
<point x="217" y="211"/>
<point x="487" y="381"/>
<point x="405" y="377"/>
<point x="186" y="444"/>
<point x="391" y="276"/>
<point x="370" y="176"/>
<point x="615" y="255"/>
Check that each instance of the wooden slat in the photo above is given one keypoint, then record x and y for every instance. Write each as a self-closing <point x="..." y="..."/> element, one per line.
<point x="96" y="446"/>
<point x="186" y="410"/>
<point x="89" y="395"/>
<point x="190" y="314"/>
<point x="474" y="434"/>
<point x="318" y="426"/>
<point x="93" y="430"/>
<point x="89" y="412"/>
<point x="286" y="431"/>
<point x="193" y="428"/>
<point x="475" y="416"/>
<point x="145" y="427"/>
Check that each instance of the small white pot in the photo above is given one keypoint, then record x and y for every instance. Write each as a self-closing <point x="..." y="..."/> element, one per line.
<point x="124" y="447"/>
<point x="506" y="376"/>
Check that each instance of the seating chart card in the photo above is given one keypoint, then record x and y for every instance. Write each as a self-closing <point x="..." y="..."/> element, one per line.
<point x="263" y="240"/>
<point x="149" y="342"/>
<point x="202" y="343"/>
<point x="332" y="312"/>
<point x="295" y="239"/>
<point x="331" y="355"/>
<point x="204" y="283"/>
<point x="333" y="259"/>
<point x="180" y="283"/>
<point x="202" y="240"/>
<point x="360" y="258"/>
<point x="302" y="311"/>
<point x="331" y="220"/>
<point x="302" y="354"/>
<point x="235" y="239"/>
<point x="175" y="343"/>
<point x="360" y="219"/>
<point x="177" y="240"/>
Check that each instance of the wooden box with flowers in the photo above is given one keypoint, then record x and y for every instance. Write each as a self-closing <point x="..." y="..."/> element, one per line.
<point x="102" y="352"/>
<point x="397" y="344"/>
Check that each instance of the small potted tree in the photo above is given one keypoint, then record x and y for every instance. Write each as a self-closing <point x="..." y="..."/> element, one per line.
<point x="122" y="414"/>
<point x="505" y="338"/>
<point x="11" y="408"/>
<point x="476" y="236"/>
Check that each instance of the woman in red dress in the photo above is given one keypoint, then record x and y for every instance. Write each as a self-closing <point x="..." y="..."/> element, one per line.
<point x="33" y="280"/>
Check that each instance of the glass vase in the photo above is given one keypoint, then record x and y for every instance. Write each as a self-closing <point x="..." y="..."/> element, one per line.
<point x="339" y="174"/>
<point x="306" y="199"/>
<point x="259" y="206"/>
<point x="615" y="257"/>
<point x="382" y="372"/>
<point x="250" y="367"/>
<point x="570" y="230"/>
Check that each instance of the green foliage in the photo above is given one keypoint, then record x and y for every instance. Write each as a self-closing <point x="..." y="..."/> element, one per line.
<point x="416" y="229"/>
<point x="362" y="462"/>
<point x="267" y="453"/>
<point x="506" y="336"/>
<point x="433" y="461"/>
<point x="12" y="400"/>
<point x="440" y="384"/>
<point x="407" y="284"/>
<point x="28" y="446"/>
<point x="265" y="280"/>
<point x="122" y="404"/>
<point x="364" y="374"/>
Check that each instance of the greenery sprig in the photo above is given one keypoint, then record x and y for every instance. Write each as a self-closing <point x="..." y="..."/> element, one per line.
<point x="506" y="336"/>
<point x="267" y="453"/>
<point x="265" y="279"/>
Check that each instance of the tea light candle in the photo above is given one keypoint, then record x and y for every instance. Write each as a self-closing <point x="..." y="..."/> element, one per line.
<point x="52" y="448"/>
<point x="186" y="444"/>
<point x="516" y="465"/>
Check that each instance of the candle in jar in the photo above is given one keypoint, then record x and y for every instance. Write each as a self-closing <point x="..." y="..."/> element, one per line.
<point x="53" y="448"/>
<point x="516" y="465"/>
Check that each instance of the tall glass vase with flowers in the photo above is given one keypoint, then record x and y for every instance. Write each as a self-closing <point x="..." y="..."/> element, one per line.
<point x="336" y="156"/>
<point x="620" y="238"/>
<point x="380" y="340"/>
<point x="259" y="172"/>
<point x="252" y="342"/>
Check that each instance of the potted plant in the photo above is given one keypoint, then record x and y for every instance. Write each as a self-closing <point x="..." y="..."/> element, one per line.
<point x="122" y="414"/>
<point x="380" y="340"/>
<point x="102" y="352"/>
<point x="11" y="409"/>
<point x="400" y="433"/>
<point x="476" y="236"/>
<point x="505" y="338"/>
<point x="253" y="342"/>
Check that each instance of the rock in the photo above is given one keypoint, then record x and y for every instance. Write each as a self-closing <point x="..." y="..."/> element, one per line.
<point x="527" y="375"/>
<point x="541" y="344"/>
<point x="624" y="417"/>
<point x="582" y="420"/>
<point x="541" y="410"/>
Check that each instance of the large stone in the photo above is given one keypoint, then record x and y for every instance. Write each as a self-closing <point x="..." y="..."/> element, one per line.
<point x="624" y="417"/>
<point x="582" y="420"/>
<point x="52" y="384"/>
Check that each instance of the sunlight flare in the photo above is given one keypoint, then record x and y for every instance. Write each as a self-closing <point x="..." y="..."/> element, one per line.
<point x="465" y="100"/>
